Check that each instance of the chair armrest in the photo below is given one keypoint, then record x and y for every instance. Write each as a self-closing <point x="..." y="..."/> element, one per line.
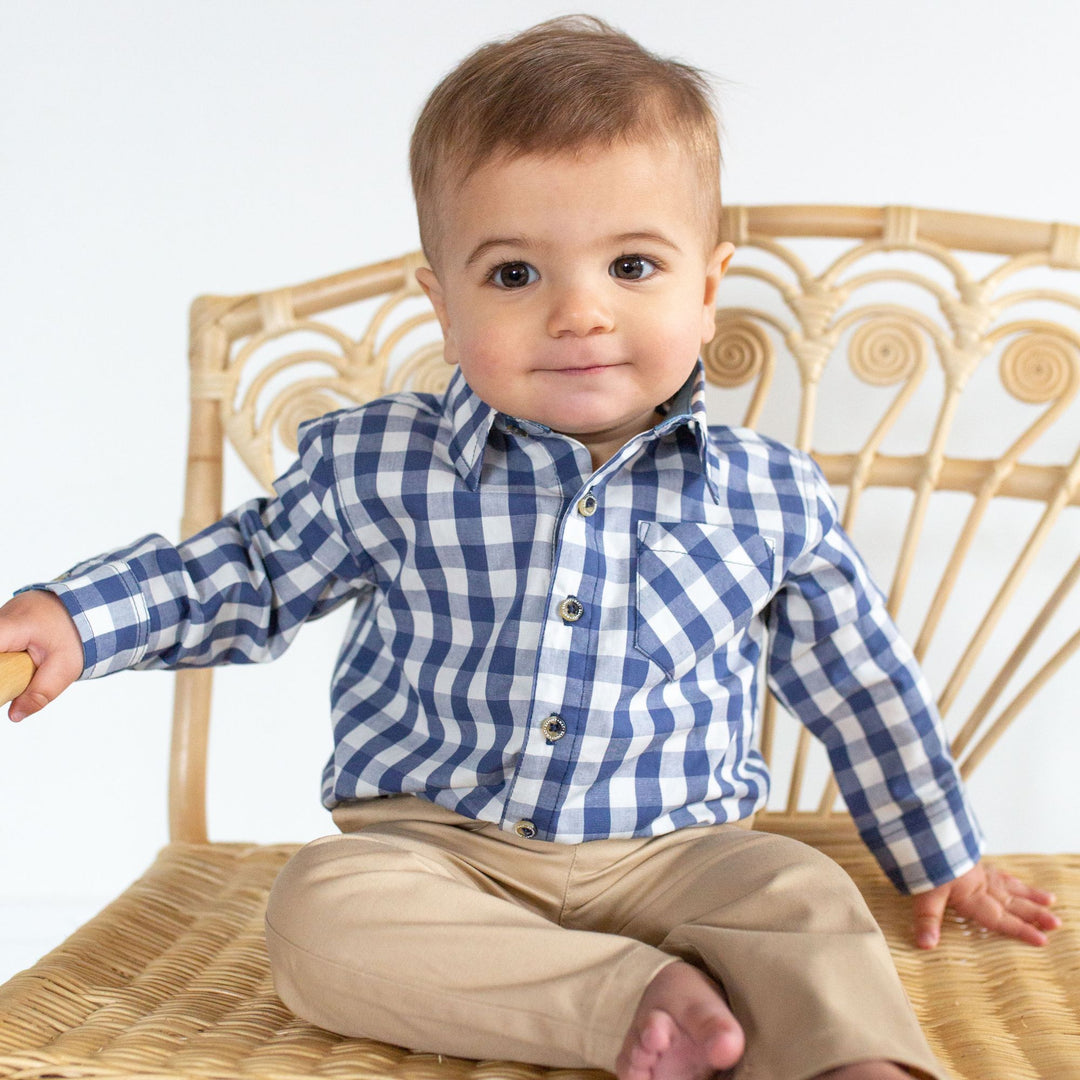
<point x="16" y="671"/>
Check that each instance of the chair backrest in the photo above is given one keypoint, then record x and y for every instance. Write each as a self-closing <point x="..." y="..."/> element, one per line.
<point x="929" y="360"/>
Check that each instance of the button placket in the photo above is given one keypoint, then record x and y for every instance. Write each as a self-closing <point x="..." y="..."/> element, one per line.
<point x="544" y="769"/>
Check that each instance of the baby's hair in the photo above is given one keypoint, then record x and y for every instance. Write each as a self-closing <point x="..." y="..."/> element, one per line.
<point x="565" y="85"/>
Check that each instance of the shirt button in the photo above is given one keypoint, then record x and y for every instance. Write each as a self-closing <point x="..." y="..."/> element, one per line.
<point x="571" y="609"/>
<point x="554" y="728"/>
<point x="587" y="505"/>
<point x="525" y="829"/>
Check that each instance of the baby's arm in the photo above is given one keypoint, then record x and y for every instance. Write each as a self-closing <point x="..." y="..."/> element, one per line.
<point x="237" y="592"/>
<point x="838" y="662"/>
<point x="38" y="623"/>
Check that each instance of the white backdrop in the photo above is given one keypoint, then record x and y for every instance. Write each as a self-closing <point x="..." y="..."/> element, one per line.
<point x="151" y="152"/>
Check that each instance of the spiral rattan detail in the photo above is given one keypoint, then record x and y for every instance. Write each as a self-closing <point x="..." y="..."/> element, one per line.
<point x="1039" y="367"/>
<point x="738" y="352"/>
<point x="885" y="351"/>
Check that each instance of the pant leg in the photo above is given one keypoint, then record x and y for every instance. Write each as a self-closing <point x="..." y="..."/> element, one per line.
<point x="392" y="933"/>
<point x="783" y="929"/>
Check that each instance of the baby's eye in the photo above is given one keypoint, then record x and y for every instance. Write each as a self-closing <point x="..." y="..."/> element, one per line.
<point x="513" y="275"/>
<point x="632" y="268"/>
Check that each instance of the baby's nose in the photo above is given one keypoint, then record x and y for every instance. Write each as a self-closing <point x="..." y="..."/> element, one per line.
<point x="579" y="310"/>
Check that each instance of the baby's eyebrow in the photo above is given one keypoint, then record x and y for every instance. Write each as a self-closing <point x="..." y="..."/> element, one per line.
<point x="621" y="239"/>
<point x="498" y="241"/>
<point x="648" y="237"/>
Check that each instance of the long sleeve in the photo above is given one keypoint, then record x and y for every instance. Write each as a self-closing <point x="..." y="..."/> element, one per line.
<point x="237" y="592"/>
<point x="839" y="663"/>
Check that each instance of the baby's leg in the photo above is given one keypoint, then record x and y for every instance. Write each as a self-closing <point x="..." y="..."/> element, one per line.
<point x="380" y="934"/>
<point x="683" y="1029"/>
<point x="783" y="930"/>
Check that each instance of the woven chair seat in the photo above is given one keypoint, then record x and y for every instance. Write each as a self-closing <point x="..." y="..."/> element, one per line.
<point x="172" y="980"/>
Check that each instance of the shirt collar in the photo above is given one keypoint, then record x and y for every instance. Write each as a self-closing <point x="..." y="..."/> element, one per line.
<point x="687" y="407"/>
<point x="470" y="424"/>
<point x="471" y="421"/>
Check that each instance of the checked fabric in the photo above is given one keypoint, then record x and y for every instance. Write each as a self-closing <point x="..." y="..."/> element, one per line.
<point x="572" y="654"/>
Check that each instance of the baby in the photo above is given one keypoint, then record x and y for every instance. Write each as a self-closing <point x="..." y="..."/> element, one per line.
<point x="564" y="580"/>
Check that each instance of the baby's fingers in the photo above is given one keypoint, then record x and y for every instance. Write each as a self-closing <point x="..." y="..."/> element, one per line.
<point x="49" y="681"/>
<point x="1033" y="914"/>
<point x="929" y="910"/>
<point x="991" y="898"/>
<point x="56" y="671"/>
<point x="39" y="624"/>
<point x="1010" y="915"/>
<point x="1027" y="903"/>
<point x="1015" y="927"/>
<point x="1006" y="885"/>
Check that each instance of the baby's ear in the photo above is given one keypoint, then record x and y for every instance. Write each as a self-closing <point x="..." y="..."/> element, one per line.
<point x="715" y="269"/>
<point x="427" y="281"/>
<point x="431" y="285"/>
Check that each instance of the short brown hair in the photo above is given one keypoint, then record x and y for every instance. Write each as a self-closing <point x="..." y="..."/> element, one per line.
<point x="561" y="86"/>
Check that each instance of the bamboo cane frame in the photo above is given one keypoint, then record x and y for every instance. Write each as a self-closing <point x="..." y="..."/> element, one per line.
<point x="219" y="323"/>
<point x="171" y="980"/>
<point x="215" y="324"/>
<point x="932" y="471"/>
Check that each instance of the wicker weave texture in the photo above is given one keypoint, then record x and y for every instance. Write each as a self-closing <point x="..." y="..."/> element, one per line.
<point x="172" y="980"/>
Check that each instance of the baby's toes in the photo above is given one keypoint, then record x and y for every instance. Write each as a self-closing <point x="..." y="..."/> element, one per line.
<point x="645" y="1046"/>
<point x="658" y="1032"/>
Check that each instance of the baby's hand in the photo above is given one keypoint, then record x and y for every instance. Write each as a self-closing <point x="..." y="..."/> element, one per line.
<point x="38" y="623"/>
<point x="991" y="898"/>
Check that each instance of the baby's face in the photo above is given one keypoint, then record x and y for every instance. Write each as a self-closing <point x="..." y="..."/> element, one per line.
<point x="577" y="290"/>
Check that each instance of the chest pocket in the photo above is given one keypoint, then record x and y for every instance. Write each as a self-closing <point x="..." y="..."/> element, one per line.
<point x="698" y="586"/>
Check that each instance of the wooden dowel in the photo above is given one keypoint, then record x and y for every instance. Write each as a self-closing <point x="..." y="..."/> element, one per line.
<point x="242" y="315"/>
<point x="798" y="771"/>
<point x="16" y="671"/>
<point x="969" y="232"/>
<point x="1001" y="724"/>
<point x="1039" y="483"/>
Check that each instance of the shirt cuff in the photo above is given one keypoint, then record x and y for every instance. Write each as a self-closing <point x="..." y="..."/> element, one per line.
<point x="928" y="846"/>
<point x="110" y="614"/>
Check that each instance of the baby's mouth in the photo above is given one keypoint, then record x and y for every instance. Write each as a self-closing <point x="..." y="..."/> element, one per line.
<point x="584" y="368"/>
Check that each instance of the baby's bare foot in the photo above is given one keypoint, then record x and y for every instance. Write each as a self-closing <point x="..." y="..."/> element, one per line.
<point x="682" y="1030"/>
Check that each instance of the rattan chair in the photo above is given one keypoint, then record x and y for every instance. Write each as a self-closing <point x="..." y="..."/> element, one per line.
<point x="881" y="339"/>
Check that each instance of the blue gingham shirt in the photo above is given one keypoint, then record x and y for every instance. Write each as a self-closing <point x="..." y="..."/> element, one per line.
<point x="569" y="652"/>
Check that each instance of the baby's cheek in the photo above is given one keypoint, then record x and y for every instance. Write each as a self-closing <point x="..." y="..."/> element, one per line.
<point x="677" y="339"/>
<point x="492" y="367"/>
<point x="497" y="349"/>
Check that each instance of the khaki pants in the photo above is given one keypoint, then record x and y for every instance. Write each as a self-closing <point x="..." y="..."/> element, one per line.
<point x="446" y="935"/>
